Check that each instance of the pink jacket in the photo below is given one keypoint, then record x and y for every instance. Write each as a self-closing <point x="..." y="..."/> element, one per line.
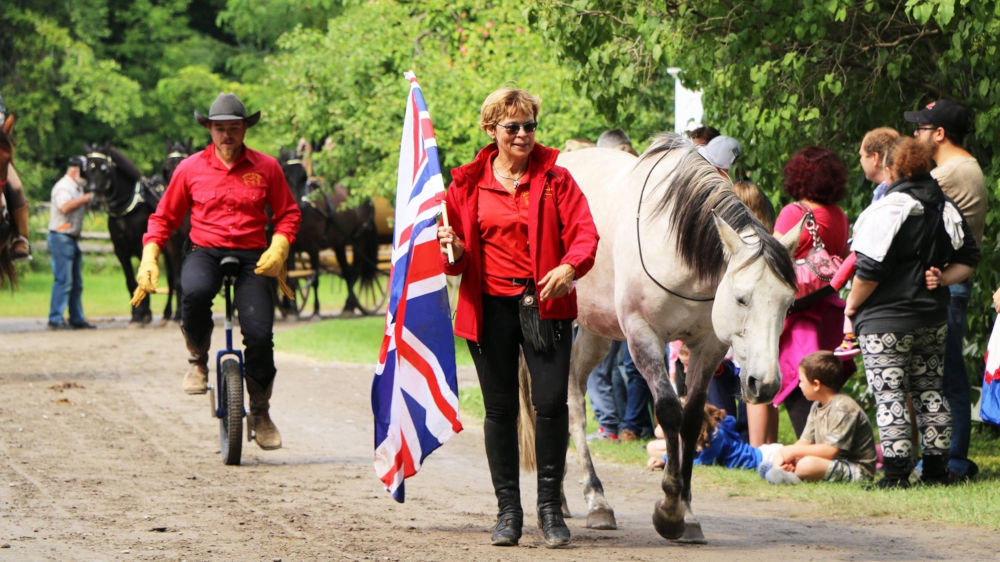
<point x="561" y="230"/>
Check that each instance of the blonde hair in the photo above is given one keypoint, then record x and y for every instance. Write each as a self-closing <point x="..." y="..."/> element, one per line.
<point x="503" y="102"/>
<point x="756" y="201"/>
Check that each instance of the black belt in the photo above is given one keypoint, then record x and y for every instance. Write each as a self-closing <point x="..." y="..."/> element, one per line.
<point x="77" y="237"/>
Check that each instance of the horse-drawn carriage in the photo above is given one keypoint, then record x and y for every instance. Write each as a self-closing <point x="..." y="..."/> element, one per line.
<point x="352" y="243"/>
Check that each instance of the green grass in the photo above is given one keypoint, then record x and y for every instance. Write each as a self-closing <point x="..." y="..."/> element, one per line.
<point x="350" y="340"/>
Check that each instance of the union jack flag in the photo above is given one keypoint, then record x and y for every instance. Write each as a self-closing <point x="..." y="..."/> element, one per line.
<point x="415" y="389"/>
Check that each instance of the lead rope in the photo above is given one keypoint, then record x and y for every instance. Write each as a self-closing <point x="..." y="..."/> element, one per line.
<point x="638" y="241"/>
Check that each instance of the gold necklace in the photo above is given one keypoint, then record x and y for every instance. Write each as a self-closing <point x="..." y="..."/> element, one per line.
<point x="516" y="180"/>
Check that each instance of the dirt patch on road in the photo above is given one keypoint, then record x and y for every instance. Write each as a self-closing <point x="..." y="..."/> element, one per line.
<point x="104" y="458"/>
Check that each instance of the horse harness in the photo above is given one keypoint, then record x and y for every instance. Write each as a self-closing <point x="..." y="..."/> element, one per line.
<point x="638" y="240"/>
<point x="136" y="198"/>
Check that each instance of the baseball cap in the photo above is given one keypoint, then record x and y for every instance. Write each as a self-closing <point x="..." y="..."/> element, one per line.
<point x="944" y="113"/>
<point x="721" y="151"/>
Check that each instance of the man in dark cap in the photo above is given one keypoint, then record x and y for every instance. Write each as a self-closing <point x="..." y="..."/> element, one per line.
<point x="942" y="126"/>
<point x="227" y="188"/>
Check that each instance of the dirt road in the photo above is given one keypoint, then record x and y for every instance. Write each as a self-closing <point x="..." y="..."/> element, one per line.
<point x="102" y="457"/>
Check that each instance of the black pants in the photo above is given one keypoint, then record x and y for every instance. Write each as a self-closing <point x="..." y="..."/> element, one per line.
<point x="201" y="279"/>
<point x="496" y="357"/>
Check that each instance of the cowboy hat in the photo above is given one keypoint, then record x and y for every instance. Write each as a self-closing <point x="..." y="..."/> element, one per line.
<point x="227" y="107"/>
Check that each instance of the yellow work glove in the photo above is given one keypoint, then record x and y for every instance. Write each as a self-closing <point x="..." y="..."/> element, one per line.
<point x="272" y="263"/>
<point x="149" y="273"/>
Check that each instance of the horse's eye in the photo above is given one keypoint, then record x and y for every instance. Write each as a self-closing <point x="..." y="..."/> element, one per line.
<point x="742" y="301"/>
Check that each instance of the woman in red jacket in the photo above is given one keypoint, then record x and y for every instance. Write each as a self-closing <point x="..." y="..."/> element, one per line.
<point x="521" y="233"/>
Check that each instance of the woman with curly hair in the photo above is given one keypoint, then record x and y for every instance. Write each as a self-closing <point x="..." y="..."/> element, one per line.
<point x="816" y="179"/>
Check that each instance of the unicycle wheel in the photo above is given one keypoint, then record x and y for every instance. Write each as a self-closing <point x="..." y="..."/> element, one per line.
<point x="231" y="421"/>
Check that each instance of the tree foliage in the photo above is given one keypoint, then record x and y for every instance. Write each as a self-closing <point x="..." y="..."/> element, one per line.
<point x="328" y="87"/>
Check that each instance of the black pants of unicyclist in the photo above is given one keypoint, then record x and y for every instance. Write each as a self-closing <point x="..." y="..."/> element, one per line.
<point x="201" y="279"/>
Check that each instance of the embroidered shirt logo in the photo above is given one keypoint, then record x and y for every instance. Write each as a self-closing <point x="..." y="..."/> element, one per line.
<point x="252" y="179"/>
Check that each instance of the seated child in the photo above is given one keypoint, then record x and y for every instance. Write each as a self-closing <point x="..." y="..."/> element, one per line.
<point x="837" y="444"/>
<point x="719" y="443"/>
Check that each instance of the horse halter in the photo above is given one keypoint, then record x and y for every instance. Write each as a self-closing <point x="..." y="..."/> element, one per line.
<point x="638" y="239"/>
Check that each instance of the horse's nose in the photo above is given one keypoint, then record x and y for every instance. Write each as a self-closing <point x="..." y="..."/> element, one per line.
<point x="758" y="389"/>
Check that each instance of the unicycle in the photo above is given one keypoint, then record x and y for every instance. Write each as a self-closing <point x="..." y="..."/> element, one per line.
<point x="227" y="404"/>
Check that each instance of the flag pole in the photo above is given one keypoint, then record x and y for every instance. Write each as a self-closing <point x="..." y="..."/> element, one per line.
<point x="444" y="219"/>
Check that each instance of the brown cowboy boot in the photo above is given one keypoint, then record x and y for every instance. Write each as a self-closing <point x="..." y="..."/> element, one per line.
<point x="196" y="378"/>
<point x="21" y="248"/>
<point x="261" y="427"/>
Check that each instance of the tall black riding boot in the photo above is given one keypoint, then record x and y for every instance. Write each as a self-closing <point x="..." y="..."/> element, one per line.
<point x="502" y="455"/>
<point x="551" y="439"/>
<point x="935" y="470"/>
<point x="897" y="473"/>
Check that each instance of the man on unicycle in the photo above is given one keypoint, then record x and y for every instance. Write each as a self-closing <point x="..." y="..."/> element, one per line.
<point x="227" y="188"/>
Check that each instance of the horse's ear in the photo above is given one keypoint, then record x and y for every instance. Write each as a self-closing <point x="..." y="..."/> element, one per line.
<point x="730" y="238"/>
<point x="790" y="239"/>
<point x="166" y="144"/>
<point x="190" y="143"/>
<point x="8" y="124"/>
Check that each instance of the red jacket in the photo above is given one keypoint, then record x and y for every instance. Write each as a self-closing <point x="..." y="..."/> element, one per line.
<point x="560" y="230"/>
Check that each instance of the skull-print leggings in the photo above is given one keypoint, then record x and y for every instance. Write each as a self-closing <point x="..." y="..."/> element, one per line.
<point x="898" y="364"/>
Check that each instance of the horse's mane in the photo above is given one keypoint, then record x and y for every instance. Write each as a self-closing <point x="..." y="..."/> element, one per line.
<point x="123" y="164"/>
<point x="693" y="190"/>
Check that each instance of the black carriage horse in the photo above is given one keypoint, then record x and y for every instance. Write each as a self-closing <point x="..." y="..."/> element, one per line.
<point x="129" y="200"/>
<point x="326" y="224"/>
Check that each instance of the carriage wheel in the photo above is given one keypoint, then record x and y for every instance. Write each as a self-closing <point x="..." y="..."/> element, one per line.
<point x="373" y="294"/>
<point x="231" y="421"/>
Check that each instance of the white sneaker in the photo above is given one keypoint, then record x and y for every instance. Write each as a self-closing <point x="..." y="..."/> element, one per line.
<point x="780" y="476"/>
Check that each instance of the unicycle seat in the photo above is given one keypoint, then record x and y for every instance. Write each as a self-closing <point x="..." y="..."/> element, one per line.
<point x="230" y="266"/>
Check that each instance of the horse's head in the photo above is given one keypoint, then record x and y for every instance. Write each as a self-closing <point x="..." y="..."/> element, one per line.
<point x="6" y="147"/>
<point x="751" y="302"/>
<point x="99" y="171"/>
<point x="176" y="151"/>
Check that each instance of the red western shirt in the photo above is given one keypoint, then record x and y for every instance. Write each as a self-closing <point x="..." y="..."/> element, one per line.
<point x="503" y="222"/>
<point x="228" y="205"/>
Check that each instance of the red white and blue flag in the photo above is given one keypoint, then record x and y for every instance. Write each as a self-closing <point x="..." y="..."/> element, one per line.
<point x="415" y="389"/>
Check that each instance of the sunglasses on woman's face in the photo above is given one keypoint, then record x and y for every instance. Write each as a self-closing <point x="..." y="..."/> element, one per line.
<point x="512" y="129"/>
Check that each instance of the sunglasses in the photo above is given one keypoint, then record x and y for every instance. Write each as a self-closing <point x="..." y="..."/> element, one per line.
<point x="512" y="129"/>
<point x="926" y="128"/>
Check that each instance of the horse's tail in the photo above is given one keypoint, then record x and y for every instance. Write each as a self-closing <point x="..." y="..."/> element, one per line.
<point x="525" y="418"/>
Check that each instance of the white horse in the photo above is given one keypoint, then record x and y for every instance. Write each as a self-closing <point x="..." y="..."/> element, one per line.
<point x="680" y="257"/>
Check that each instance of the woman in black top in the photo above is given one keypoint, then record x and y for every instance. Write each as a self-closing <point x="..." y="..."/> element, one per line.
<point x="910" y="245"/>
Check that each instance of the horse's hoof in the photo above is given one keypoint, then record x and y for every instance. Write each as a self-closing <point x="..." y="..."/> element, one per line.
<point x="603" y="519"/>
<point x="136" y="324"/>
<point x="671" y="529"/>
<point x="692" y="534"/>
